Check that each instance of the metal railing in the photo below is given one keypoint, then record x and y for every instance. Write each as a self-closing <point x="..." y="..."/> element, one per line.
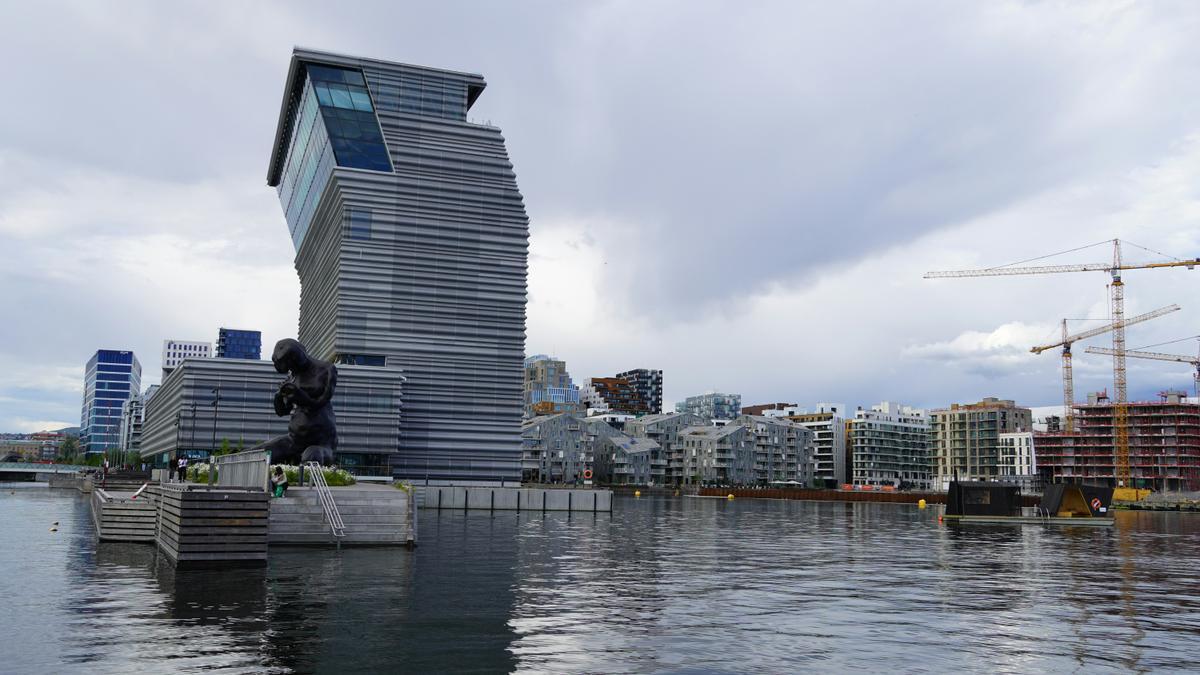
<point x="249" y="469"/>
<point x="317" y="476"/>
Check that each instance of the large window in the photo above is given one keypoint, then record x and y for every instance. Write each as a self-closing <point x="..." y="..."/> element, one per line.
<point x="349" y="118"/>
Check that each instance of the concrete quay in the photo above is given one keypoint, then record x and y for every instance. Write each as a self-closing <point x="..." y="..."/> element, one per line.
<point x="374" y="515"/>
<point x="485" y="498"/>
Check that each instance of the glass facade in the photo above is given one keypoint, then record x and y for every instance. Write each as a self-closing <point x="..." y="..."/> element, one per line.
<point x="335" y="125"/>
<point x="110" y="379"/>
<point x="239" y="344"/>
<point x="414" y="94"/>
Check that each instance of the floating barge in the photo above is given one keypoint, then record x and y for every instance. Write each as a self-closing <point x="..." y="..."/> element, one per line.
<point x="1000" y="504"/>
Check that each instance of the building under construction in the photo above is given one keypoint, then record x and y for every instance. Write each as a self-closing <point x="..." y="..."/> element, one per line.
<point x="1164" y="444"/>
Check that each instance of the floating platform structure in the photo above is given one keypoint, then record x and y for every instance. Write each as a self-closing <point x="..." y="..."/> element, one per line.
<point x="1000" y="503"/>
<point x="124" y="516"/>
<point x="372" y="515"/>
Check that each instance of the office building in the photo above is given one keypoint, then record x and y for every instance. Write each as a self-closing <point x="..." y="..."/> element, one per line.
<point x="206" y="403"/>
<point x="548" y="389"/>
<point x="966" y="439"/>
<point x="648" y="384"/>
<point x="889" y="445"/>
<point x="411" y="245"/>
<point x="239" y="344"/>
<point x="712" y="406"/>
<point x="827" y="421"/>
<point x="1164" y="445"/>
<point x="175" y="351"/>
<point x="111" y="377"/>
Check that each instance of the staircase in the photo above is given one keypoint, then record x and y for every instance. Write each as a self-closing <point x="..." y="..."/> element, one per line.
<point x="370" y="515"/>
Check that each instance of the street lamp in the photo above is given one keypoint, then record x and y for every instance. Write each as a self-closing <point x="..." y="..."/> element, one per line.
<point x="213" y="452"/>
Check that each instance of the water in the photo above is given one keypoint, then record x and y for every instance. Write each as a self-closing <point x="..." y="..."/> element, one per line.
<point x="660" y="585"/>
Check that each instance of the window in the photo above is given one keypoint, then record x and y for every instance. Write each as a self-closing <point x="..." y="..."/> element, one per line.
<point x="358" y="223"/>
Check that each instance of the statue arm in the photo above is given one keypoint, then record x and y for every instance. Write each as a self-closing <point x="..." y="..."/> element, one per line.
<point x="282" y="405"/>
<point x="328" y="379"/>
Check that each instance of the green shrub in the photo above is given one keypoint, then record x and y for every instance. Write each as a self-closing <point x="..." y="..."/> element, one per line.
<point x="334" y="477"/>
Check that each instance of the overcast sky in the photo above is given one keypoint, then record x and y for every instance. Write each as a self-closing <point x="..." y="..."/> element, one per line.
<point x="742" y="194"/>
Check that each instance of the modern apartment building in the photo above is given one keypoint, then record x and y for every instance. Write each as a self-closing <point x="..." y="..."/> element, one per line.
<point x="665" y="429"/>
<point x="762" y="408"/>
<point x="548" y="387"/>
<point x="889" y="445"/>
<point x="206" y="402"/>
<point x="611" y="394"/>
<point x="239" y="344"/>
<point x="411" y="245"/>
<point x="966" y="438"/>
<point x="175" y="351"/>
<point x="111" y="378"/>
<point x="827" y="421"/>
<point x="747" y="451"/>
<point x="712" y="406"/>
<point x="555" y="448"/>
<point x="131" y="423"/>
<point x="648" y="383"/>
<point x="1164" y="444"/>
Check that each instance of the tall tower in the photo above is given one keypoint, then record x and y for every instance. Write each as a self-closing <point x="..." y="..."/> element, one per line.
<point x="110" y="378"/>
<point x="411" y="245"/>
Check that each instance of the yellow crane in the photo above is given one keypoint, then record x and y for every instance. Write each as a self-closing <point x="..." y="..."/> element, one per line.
<point x="1117" y="293"/>
<point x="1068" y="340"/>
<point x="1158" y="356"/>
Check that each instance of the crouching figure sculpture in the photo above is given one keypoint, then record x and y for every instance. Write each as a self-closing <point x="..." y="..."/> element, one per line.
<point x="306" y="395"/>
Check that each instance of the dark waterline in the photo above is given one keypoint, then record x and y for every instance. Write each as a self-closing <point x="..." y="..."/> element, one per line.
<point x="660" y="585"/>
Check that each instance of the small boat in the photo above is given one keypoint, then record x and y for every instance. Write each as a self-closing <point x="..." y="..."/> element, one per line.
<point x="1000" y="503"/>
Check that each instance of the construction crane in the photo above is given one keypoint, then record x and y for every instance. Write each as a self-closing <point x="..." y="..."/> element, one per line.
<point x="1068" y="340"/>
<point x="1117" y="293"/>
<point x="1158" y="356"/>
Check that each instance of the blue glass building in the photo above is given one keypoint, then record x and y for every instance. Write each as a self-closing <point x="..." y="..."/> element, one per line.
<point x="239" y="344"/>
<point x="111" y="378"/>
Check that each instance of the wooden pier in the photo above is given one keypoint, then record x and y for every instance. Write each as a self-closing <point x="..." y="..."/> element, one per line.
<point x="212" y="527"/>
<point x="122" y="516"/>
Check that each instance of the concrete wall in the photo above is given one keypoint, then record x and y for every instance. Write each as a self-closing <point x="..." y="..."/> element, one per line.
<point x="515" y="499"/>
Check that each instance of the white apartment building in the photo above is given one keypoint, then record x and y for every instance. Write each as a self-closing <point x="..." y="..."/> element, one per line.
<point x="827" y="421"/>
<point x="1017" y="456"/>
<point x="175" y="351"/>
<point x="889" y="445"/>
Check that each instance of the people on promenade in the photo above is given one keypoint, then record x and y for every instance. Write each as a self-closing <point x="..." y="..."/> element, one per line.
<point x="279" y="482"/>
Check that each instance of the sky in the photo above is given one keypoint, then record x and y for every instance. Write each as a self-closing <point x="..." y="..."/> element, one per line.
<point x="745" y="195"/>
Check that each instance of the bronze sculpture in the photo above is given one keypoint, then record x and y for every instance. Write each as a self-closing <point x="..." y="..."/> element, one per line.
<point x="306" y="395"/>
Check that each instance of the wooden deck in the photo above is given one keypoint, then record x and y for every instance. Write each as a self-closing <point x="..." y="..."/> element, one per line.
<point x="212" y="527"/>
<point x="121" y="517"/>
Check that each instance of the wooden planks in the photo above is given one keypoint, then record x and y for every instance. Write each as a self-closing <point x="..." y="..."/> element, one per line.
<point x="124" y="519"/>
<point x="212" y="527"/>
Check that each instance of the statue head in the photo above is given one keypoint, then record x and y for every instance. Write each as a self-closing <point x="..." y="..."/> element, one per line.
<point x="289" y="356"/>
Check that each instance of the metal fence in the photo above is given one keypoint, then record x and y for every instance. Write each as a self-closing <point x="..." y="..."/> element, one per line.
<point x="249" y="469"/>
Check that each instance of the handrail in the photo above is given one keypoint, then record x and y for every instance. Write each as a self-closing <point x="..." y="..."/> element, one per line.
<point x="332" y="516"/>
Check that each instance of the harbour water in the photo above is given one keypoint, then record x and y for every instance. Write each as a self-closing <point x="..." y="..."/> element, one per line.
<point x="661" y="584"/>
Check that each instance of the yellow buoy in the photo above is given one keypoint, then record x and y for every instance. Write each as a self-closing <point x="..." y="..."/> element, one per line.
<point x="637" y="493"/>
<point x="920" y="503"/>
<point x="729" y="496"/>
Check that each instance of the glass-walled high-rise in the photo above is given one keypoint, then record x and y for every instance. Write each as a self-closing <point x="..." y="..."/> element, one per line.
<point x="110" y="379"/>
<point x="411" y="245"/>
<point x="239" y="344"/>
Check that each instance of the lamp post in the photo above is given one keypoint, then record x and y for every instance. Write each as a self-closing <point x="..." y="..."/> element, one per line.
<point x="212" y="453"/>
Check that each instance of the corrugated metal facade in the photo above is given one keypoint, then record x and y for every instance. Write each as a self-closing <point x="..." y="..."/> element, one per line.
<point x="424" y="266"/>
<point x="181" y="416"/>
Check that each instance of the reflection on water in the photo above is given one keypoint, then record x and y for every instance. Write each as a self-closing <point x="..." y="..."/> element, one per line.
<point x="675" y="585"/>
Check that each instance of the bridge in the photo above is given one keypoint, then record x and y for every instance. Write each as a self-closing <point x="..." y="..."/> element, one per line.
<point x="21" y="470"/>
